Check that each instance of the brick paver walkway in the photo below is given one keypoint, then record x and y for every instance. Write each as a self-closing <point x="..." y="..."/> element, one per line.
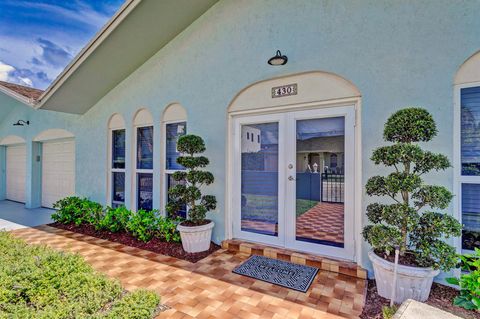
<point x="208" y="288"/>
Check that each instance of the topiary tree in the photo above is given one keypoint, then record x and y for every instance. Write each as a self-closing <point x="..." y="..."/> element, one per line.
<point x="405" y="222"/>
<point x="192" y="179"/>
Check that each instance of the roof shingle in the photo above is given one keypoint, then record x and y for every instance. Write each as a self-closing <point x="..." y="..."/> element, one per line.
<point x="26" y="91"/>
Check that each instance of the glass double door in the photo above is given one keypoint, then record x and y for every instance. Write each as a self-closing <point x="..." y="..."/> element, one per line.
<point x="293" y="180"/>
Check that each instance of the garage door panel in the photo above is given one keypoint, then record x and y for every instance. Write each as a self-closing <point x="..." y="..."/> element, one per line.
<point x="16" y="166"/>
<point x="58" y="171"/>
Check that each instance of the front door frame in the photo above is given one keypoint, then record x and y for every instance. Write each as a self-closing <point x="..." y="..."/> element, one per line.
<point x="355" y="253"/>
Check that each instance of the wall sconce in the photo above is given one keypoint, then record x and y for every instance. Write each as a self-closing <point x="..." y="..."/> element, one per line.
<point x="21" y="123"/>
<point x="278" y="59"/>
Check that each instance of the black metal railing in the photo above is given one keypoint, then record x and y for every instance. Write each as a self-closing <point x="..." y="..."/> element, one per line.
<point x="332" y="188"/>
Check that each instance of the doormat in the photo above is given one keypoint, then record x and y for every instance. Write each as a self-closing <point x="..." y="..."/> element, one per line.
<point x="278" y="272"/>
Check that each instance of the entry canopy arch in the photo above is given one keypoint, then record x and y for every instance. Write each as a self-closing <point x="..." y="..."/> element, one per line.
<point x="315" y="86"/>
<point x="12" y="140"/>
<point x="53" y="134"/>
<point x="143" y="117"/>
<point x="469" y="71"/>
<point x="116" y="122"/>
<point x="174" y="112"/>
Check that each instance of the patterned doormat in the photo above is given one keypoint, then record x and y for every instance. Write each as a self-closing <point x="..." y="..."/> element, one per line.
<point x="278" y="272"/>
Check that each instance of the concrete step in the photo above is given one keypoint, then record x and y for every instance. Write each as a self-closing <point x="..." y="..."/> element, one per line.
<point x="321" y="262"/>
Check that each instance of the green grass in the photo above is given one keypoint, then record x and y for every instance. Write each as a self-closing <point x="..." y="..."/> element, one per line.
<point x="303" y="205"/>
<point x="265" y="207"/>
<point x="38" y="282"/>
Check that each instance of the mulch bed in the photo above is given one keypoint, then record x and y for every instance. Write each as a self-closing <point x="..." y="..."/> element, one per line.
<point x="154" y="245"/>
<point x="440" y="297"/>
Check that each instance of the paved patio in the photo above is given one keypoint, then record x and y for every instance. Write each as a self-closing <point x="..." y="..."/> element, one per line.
<point x="14" y="215"/>
<point x="208" y="289"/>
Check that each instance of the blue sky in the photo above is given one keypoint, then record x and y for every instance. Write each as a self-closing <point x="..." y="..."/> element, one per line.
<point x="39" y="38"/>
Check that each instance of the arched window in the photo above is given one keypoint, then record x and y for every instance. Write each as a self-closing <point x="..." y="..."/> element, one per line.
<point x="174" y="122"/>
<point x="116" y="165"/>
<point x="143" y="162"/>
<point x="467" y="150"/>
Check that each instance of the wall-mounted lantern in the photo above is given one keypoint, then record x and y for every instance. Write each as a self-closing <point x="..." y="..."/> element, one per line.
<point x="21" y="123"/>
<point x="278" y="59"/>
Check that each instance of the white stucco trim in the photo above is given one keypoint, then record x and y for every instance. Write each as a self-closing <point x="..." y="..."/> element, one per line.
<point x="53" y="134"/>
<point x="314" y="86"/>
<point x="174" y="112"/>
<point x="143" y="117"/>
<point x="294" y="103"/>
<point x="116" y="121"/>
<point x="469" y="71"/>
<point x="12" y="140"/>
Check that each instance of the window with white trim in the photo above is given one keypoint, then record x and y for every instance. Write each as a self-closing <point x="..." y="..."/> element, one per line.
<point x="143" y="161"/>
<point x="116" y="159"/>
<point x="470" y="166"/>
<point x="172" y="132"/>
<point x="174" y="125"/>
<point x="118" y="168"/>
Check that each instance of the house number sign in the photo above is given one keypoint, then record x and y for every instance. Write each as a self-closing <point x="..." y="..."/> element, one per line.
<point x="284" y="90"/>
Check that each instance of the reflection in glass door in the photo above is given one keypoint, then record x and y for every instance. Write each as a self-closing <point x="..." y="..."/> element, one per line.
<point x="259" y="178"/>
<point x="293" y="181"/>
<point x="320" y="167"/>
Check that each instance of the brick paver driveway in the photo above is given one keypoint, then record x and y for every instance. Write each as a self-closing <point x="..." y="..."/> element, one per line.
<point x="208" y="288"/>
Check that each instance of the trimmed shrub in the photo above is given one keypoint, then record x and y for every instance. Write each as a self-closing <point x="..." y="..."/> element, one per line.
<point x="136" y="305"/>
<point x="411" y="219"/>
<point x="469" y="282"/>
<point x="115" y="219"/>
<point x="189" y="192"/>
<point x="77" y="210"/>
<point x="166" y="229"/>
<point x="142" y="224"/>
<point x="39" y="282"/>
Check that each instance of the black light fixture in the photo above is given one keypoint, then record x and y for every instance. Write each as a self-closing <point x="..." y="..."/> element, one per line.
<point x="278" y="59"/>
<point x="21" y="123"/>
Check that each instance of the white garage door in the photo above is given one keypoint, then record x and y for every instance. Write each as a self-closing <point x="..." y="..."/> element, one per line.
<point x="58" y="171"/>
<point x="16" y="166"/>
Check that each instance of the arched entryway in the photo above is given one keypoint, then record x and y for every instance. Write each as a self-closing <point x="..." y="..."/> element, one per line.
<point x="293" y="164"/>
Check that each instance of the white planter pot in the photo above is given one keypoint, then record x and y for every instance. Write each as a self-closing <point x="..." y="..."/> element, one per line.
<point x="197" y="238"/>
<point x="412" y="282"/>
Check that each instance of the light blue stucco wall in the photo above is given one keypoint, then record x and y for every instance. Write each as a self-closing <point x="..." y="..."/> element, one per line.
<point x="397" y="53"/>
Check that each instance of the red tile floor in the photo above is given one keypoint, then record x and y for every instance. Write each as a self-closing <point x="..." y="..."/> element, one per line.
<point x="323" y="222"/>
<point x="208" y="288"/>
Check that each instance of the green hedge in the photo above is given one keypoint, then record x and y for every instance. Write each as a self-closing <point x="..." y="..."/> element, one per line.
<point x="38" y="282"/>
<point x="143" y="225"/>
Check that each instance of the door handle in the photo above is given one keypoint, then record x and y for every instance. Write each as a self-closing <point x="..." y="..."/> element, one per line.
<point x="291" y="178"/>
